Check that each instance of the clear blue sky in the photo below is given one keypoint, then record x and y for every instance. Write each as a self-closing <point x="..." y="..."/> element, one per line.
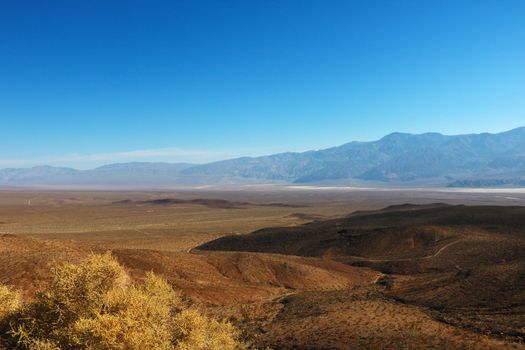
<point x="84" y="83"/>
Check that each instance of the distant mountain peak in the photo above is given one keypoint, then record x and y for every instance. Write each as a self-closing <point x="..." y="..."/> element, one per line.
<point x="396" y="135"/>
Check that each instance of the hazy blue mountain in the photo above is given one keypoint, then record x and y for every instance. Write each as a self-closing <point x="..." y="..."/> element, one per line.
<point x="36" y="174"/>
<point x="139" y="174"/>
<point x="473" y="160"/>
<point x="397" y="157"/>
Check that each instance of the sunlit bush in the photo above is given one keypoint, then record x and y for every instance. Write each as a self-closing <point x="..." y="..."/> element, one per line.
<point x="93" y="306"/>
<point x="196" y="332"/>
<point x="9" y="302"/>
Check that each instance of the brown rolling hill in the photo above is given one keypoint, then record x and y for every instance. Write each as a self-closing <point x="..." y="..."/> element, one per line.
<point x="395" y="233"/>
<point x="462" y="266"/>
<point x="210" y="278"/>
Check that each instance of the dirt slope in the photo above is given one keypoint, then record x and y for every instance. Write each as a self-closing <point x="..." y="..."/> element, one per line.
<point x="209" y="277"/>
<point x="466" y="265"/>
<point x="363" y="318"/>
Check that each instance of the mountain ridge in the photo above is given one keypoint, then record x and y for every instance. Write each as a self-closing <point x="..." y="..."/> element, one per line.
<point x="434" y="159"/>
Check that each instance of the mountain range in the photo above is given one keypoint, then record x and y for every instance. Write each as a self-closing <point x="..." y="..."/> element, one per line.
<point x="429" y="159"/>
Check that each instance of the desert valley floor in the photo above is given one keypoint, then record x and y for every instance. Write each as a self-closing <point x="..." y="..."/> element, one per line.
<point x="298" y="268"/>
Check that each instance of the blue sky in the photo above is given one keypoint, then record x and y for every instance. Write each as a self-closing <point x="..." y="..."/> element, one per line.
<point x="84" y="83"/>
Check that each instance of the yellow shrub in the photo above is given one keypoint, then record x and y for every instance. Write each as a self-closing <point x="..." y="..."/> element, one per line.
<point x="135" y="318"/>
<point x="92" y="306"/>
<point x="194" y="331"/>
<point x="9" y="301"/>
<point x="43" y="345"/>
<point x="81" y="289"/>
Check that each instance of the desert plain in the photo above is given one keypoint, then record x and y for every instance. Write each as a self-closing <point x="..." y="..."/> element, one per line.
<point x="298" y="267"/>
